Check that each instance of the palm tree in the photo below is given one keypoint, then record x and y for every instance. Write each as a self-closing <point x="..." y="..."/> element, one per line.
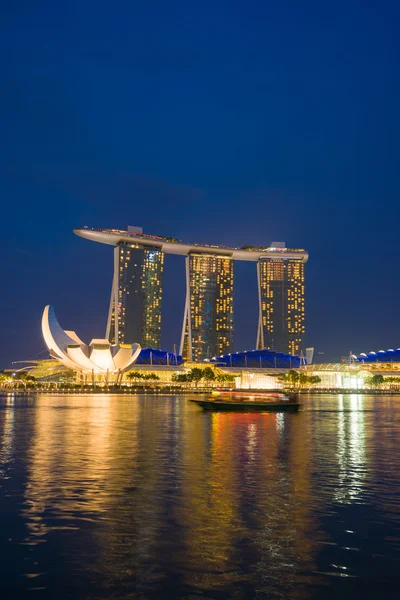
<point x="295" y="379"/>
<point x="375" y="380"/>
<point x="134" y="375"/>
<point x="5" y="379"/>
<point x="209" y="374"/>
<point x="151" y="377"/>
<point x="196" y="375"/>
<point x="180" y="378"/>
<point x="225" y="378"/>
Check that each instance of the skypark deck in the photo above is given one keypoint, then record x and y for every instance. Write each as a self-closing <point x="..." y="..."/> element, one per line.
<point x="113" y="237"/>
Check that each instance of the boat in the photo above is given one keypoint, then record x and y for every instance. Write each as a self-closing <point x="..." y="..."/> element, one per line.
<point x="239" y="400"/>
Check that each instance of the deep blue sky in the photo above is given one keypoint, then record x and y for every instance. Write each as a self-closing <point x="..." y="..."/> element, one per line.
<point x="232" y="122"/>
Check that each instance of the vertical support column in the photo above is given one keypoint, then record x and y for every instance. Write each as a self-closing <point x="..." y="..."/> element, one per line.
<point x="111" y="307"/>
<point x="260" y="332"/>
<point x="187" y="320"/>
<point x="116" y="288"/>
<point x="114" y="301"/>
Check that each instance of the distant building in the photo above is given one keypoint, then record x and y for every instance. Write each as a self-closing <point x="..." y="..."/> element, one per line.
<point x="208" y="318"/>
<point x="135" y="306"/>
<point x="309" y="355"/>
<point x="353" y="376"/>
<point x="137" y="294"/>
<point x="281" y="324"/>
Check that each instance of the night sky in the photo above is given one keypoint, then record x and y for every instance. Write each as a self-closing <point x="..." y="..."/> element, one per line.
<point x="213" y="121"/>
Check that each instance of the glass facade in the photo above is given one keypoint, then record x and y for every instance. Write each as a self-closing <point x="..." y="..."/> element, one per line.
<point x="137" y="293"/>
<point x="135" y="308"/>
<point x="281" y="298"/>
<point x="208" y="321"/>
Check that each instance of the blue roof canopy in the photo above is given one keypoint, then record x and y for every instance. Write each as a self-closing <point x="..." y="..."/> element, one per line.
<point x="380" y="356"/>
<point x="154" y="356"/>
<point x="261" y="359"/>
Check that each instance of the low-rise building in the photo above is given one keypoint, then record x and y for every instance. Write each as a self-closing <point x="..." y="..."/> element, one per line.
<point x="352" y="376"/>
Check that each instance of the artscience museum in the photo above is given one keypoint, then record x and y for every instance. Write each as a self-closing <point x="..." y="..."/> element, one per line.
<point x="98" y="361"/>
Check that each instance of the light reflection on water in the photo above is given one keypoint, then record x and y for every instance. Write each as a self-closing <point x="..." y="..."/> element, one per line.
<point x="149" y="497"/>
<point x="351" y="448"/>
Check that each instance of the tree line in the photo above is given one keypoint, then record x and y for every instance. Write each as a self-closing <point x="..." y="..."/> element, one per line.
<point x="296" y="379"/>
<point x="207" y="374"/>
<point x="378" y="380"/>
<point x="136" y="375"/>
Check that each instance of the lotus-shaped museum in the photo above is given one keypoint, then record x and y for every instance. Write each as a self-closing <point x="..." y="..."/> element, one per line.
<point x="98" y="357"/>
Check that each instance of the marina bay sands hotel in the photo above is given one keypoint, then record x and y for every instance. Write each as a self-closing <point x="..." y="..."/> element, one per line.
<point x="207" y="331"/>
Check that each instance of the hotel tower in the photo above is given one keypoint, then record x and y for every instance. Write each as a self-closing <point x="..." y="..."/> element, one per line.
<point x="136" y="295"/>
<point x="281" y="323"/>
<point x="207" y="330"/>
<point x="208" y="318"/>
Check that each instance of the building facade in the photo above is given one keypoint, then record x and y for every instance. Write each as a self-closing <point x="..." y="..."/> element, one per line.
<point x="355" y="375"/>
<point x="281" y="289"/>
<point x="135" y="307"/>
<point x="136" y="296"/>
<point x="208" y="318"/>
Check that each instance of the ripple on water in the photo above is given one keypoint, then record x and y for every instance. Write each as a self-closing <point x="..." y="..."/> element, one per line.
<point x="127" y="497"/>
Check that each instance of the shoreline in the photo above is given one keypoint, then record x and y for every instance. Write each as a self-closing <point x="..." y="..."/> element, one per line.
<point x="164" y="392"/>
<point x="183" y="392"/>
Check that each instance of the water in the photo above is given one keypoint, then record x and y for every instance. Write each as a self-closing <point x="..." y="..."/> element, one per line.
<point x="150" y="497"/>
